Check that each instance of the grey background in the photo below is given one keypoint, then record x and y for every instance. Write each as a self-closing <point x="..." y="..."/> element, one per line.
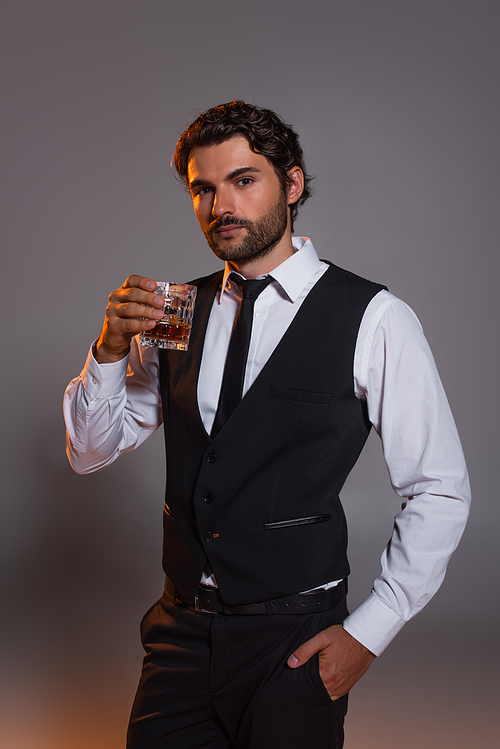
<point x="398" y="110"/>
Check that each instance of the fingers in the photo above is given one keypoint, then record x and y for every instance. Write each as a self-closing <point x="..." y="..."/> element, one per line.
<point x="132" y="302"/>
<point x="131" y="309"/>
<point x="134" y="298"/>
<point x="141" y="282"/>
<point x="306" y="651"/>
<point x="127" y="308"/>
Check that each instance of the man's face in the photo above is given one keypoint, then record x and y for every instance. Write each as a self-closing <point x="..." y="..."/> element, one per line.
<point x="238" y="200"/>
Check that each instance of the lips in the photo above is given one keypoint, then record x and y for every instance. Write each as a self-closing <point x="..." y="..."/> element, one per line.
<point x="228" y="231"/>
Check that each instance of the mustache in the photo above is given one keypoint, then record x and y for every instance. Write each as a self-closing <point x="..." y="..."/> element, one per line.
<point x="227" y="221"/>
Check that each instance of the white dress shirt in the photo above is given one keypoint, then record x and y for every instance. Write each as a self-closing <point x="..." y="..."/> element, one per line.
<point x="112" y="408"/>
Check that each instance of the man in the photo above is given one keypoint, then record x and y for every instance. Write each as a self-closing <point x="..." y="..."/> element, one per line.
<point x="251" y="644"/>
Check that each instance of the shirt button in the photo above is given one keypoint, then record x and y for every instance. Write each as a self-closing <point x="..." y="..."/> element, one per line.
<point x="95" y="380"/>
<point x="212" y="458"/>
<point x="208" y="536"/>
<point x="208" y="498"/>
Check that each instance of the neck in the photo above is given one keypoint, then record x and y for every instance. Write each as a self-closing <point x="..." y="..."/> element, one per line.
<point x="262" y="265"/>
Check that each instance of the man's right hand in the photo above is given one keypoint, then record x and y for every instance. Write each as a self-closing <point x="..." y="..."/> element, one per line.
<point x="131" y="309"/>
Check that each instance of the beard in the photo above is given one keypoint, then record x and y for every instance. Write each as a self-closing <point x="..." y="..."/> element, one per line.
<point x="261" y="238"/>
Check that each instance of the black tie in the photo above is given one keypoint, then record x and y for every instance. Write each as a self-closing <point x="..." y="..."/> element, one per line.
<point x="234" y="371"/>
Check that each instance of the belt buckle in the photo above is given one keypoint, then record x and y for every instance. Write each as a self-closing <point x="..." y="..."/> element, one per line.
<point x="198" y="607"/>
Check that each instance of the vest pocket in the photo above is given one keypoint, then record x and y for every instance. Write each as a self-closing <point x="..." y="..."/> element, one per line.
<point x="297" y="521"/>
<point x="303" y="396"/>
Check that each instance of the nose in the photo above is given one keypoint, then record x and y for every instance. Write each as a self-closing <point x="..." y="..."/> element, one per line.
<point x="222" y="204"/>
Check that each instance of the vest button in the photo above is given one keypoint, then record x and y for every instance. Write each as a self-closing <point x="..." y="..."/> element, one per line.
<point x="208" y="498"/>
<point x="212" y="458"/>
<point x="208" y="536"/>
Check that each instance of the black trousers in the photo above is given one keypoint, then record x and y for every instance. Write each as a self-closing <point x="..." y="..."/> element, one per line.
<point x="217" y="681"/>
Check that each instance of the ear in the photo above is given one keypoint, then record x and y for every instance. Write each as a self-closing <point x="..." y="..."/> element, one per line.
<point x="295" y="184"/>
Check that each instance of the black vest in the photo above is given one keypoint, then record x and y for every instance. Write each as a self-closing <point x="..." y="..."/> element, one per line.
<point x="261" y="500"/>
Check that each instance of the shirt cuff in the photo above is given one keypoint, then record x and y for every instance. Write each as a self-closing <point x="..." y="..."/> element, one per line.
<point x="103" y="380"/>
<point x="373" y="624"/>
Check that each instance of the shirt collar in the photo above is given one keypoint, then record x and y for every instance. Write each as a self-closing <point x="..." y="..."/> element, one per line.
<point x="293" y="274"/>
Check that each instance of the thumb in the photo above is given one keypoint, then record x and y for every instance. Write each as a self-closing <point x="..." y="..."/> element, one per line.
<point x="304" y="652"/>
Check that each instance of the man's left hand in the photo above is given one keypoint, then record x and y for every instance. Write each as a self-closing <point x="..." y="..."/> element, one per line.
<point x="342" y="659"/>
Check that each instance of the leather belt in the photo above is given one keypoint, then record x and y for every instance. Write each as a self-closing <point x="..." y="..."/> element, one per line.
<point x="208" y="601"/>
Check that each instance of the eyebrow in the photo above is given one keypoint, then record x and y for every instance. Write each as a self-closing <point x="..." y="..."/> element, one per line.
<point x="227" y="178"/>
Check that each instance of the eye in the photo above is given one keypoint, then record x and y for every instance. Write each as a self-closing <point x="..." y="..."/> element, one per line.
<point x="245" y="181"/>
<point x="204" y="191"/>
